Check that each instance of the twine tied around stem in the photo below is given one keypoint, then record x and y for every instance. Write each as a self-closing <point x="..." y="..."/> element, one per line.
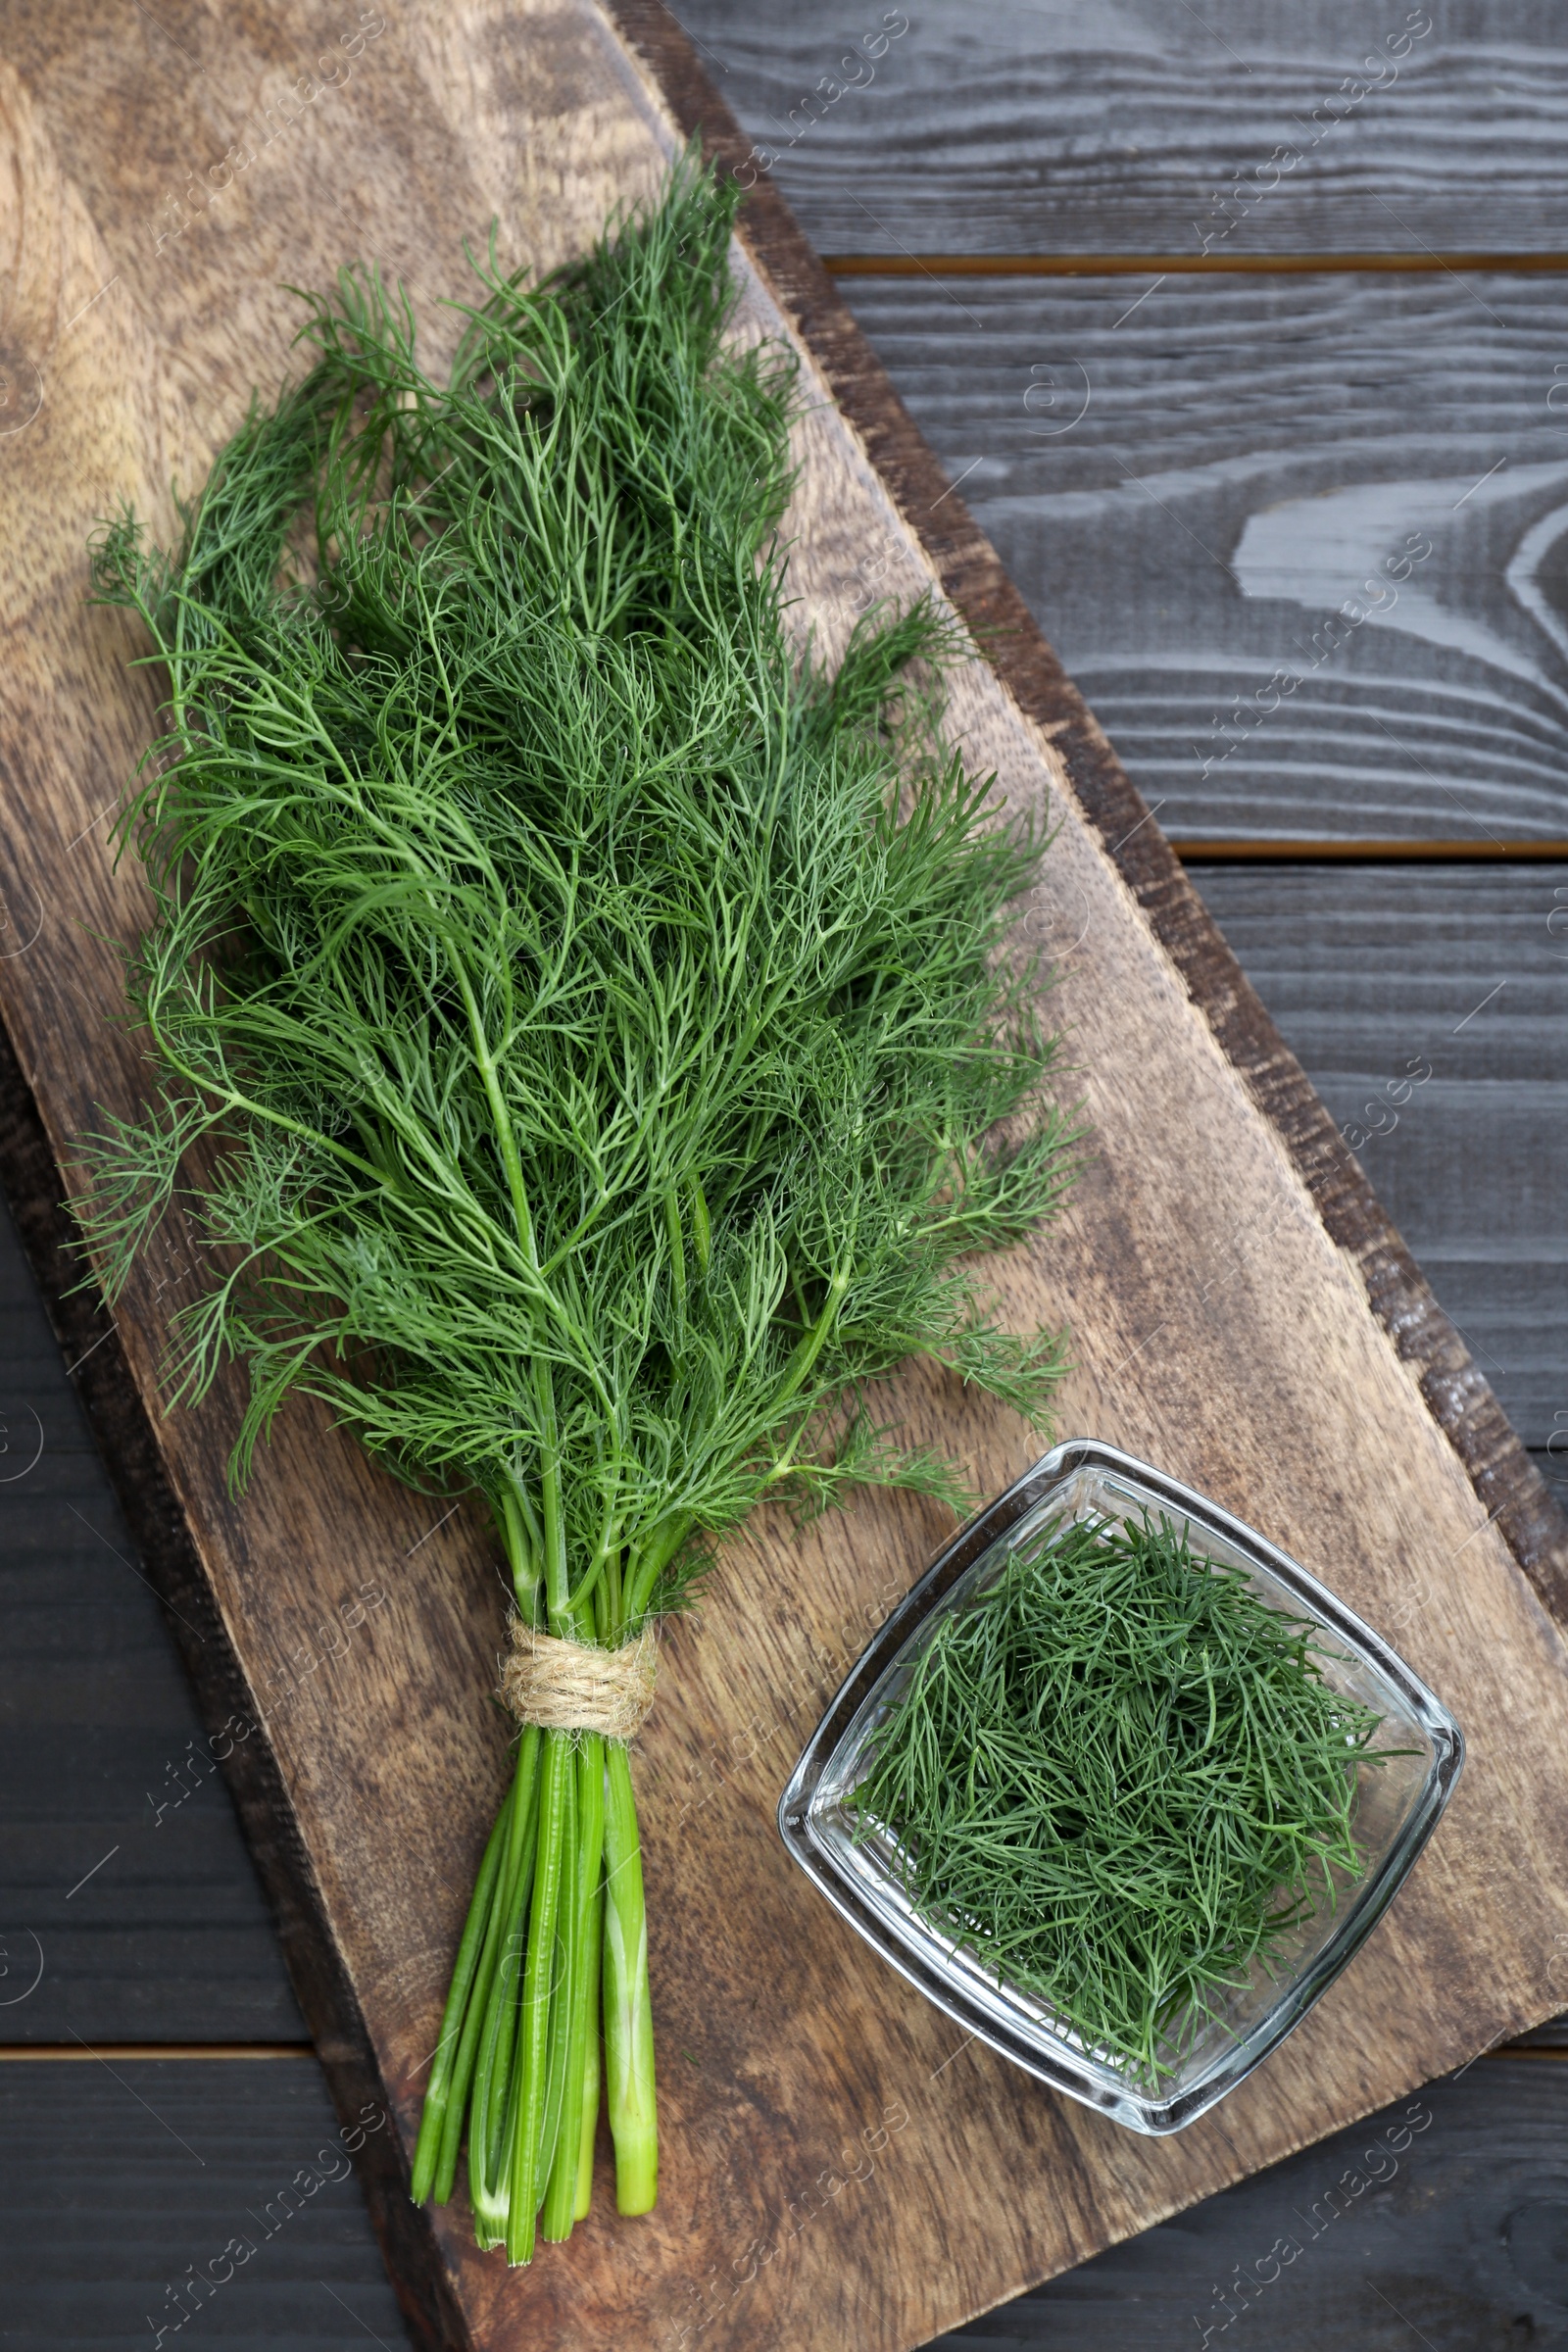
<point x="577" y="1687"/>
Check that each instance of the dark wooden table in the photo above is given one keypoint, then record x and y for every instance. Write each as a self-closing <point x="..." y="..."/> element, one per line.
<point x="1253" y="358"/>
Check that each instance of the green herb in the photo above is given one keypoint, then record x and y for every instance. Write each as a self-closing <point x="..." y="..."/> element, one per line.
<point x="1120" y="1778"/>
<point x="596" y="1020"/>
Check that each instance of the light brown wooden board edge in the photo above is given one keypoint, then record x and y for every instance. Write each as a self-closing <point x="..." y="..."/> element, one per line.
<point x="128" y="1442"/>
<point x="1460" y="1400"/>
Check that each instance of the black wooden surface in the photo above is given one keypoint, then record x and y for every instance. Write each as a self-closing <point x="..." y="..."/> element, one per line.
<point x="1188" y="475"/>
<point x="125" y="1879"/>
<point x="212" y="2200"/>
<point x="1201" y="482"/>
<point x="1429" y="1005"/>
<point x="1116" y="127"/>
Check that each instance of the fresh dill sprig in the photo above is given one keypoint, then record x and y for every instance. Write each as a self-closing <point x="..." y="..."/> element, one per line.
<point x="593" y="1023"/>
<point x="1120" y="1778"/>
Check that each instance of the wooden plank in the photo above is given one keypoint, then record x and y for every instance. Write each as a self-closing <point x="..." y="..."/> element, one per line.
<point x="130" y="1908"/>
<point x="211" y="2199"/>
<point x="1190" y="478"/>
<point x="1377" y="975"/>
<point x="1219" y="1267"/>
<point x="1128" y="126"/>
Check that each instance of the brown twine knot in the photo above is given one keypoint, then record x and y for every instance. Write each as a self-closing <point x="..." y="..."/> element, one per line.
<point x="577" y="1687"/>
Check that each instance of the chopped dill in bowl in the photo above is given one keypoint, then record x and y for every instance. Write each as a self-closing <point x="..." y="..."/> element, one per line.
<point x="1120" y="1778"/>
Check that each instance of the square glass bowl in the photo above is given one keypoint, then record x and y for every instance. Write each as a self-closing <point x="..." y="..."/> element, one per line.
<point x="1399" y="1805"/>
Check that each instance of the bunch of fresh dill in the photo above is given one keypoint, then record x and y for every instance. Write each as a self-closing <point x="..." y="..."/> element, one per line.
<point x="600" y="1021"/>
<point x="1120" y="1778"/>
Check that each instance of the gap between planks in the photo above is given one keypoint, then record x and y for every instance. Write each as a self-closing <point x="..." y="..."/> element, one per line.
<point x="14" y="2051"/>
<point x="1191" y="264"/>
<point x="1200" y="852"/>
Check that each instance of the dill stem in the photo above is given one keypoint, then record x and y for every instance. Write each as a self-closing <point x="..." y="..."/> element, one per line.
<point x="522" y="1548"/>
<point x="560" y="2196"/>
<point x="702" y="1226"/>
<point x="809" y="1349"/>
<point x="608" y="1600"/>
<point x="677" y="1245"/>
<point x="528" y="2105"/>
<point x="521" y="1818"/>
<point x="587" y="1615"/>
<point x="481" y="1910"/>
<point x="628" y="2011"/>
<point x="558" y="1593"/>
<point x="649" y="1565"/>
<point x="563" y="1974"/>
<point x="592" y="2072"/>
<point x="506" y="1137"/>
<point x="494" y="2078"/>
<point x="554" y="1529"/>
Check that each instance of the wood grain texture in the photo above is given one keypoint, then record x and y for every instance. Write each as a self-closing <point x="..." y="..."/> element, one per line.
<point x="1145" y="126"/>
<point x="1190" y="479"/>
<point x="102" y="1757"/>
<point x="1219" y="1306"/>
<point x="1430" y="1009"/>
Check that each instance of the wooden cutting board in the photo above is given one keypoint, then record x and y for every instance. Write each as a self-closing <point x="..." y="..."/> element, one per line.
<point x="839" y="2166"/>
